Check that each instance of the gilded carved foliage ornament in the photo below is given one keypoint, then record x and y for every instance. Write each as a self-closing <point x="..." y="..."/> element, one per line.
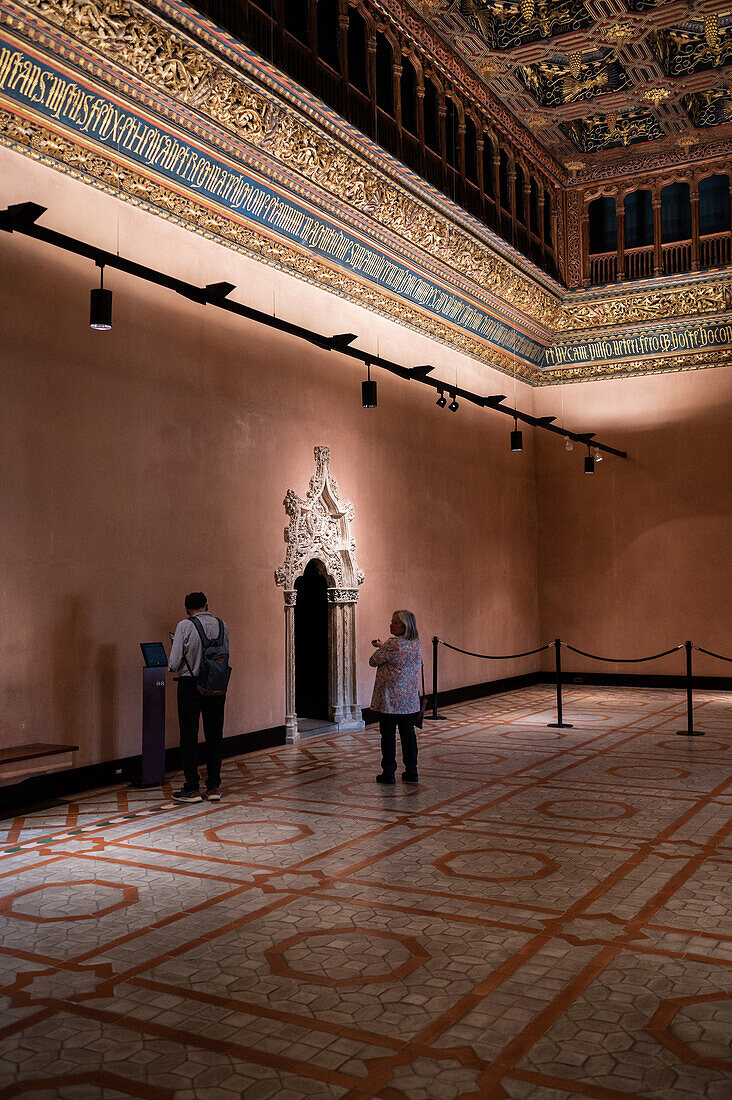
<point x="181" y="68"/>
<point x="713" y="296"/>
<point x="636" y="368"/>
<point x="651" y="306"/>
<point x="210" y="81"/>
<point x="320" y="528"/>
<point x="505" y="27"/>
<point x="51" y="148"/>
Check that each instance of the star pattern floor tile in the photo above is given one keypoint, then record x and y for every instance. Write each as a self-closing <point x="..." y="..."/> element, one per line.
<point x="546" y="915"/>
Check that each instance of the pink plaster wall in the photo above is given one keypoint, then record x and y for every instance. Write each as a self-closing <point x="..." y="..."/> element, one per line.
<point x="637" y="557"/>
<point x="144" y="462"/>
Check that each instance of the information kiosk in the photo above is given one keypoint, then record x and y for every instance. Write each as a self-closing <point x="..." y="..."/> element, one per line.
<point x="152" y="772"/>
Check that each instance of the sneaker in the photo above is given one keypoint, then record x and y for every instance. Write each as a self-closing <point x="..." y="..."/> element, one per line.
<point x="186" y="796"/>
<point x="213" y="794"/>
<point x="410" y="777"/>
<point x="385" y="779"/>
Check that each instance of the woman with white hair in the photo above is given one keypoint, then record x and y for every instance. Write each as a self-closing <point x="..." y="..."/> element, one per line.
<point x="396" y="695"/>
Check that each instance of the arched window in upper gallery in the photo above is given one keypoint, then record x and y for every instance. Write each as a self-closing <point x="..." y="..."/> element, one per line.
<point x="503" y="165"/>
<point x="431" y="116"/>
<point x="520" y="205"/>
<point x="471" y="150"/>
<point x="357" y="64"/>
<point x="714" y="205"/>
<point x="534" y="207"/>
<point x="548" y="209"/>
<point x="452" y="133"/>
<point x="603" y="223"/>
<point x="638" y="219"/>
<point x="675" y="213"/>
<point x="327" y="27"/>
<point x="296" y="19"/>
<point x="489" y="187"/>
<point x="384" y="74"/>
<point x="408" y="95"/>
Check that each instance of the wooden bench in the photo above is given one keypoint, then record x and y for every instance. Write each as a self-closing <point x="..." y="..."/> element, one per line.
<point x="20" y="761"/>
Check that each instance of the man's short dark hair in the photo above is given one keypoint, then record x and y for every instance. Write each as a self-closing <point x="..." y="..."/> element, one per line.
<point x="195" y="601"/>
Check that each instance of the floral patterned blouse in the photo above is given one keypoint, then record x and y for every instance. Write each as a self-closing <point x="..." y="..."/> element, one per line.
<point x="398" y="664"/>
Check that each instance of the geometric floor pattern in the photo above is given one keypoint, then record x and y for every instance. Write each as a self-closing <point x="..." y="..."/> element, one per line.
<point x="546" y="915"/>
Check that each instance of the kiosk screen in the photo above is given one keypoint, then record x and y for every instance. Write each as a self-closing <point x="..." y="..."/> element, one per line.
<point x="154" y="654"/>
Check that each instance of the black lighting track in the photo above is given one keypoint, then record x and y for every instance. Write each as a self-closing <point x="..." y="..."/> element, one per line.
<point x="23" y="218"/>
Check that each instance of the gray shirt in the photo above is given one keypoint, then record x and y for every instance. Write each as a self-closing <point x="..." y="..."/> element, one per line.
<point x="187" y="643"/>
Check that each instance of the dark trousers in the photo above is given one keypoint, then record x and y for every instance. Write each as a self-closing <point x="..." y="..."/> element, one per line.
<point x="388" y="724"/>
<point x="191" y="706"/>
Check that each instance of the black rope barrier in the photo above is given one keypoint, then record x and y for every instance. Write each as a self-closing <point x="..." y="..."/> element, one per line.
<point x="435" y="717"/>
<point x="559" y="724"/>
<point x="709" y="653"/>
<point x="557" y="645"/>
<point x="499" y="657"/>
<point x="624" y="660"/>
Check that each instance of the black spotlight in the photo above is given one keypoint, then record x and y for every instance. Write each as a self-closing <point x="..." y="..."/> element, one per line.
<point x="517" y="439"/>
<point x="453" y="406"/>
<point x="589" y="464"/>
<point x="100" y="310"/>
<point x="441" y="400"/>
<point x="368" y="390"/>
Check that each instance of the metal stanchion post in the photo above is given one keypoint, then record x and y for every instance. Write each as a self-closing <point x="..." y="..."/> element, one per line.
<point x="559" y="724"/>
<point x="434" y="717"/>
<point x="689" y="731"/>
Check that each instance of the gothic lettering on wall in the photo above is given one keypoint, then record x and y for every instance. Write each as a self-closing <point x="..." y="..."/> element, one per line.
<point x="184" y="70"/>
<point x="151" y="165"/>
<point x="52" y="94"/>
<point x="667" y="342"/>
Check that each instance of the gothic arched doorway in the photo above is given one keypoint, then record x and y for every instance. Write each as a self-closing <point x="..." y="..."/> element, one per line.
<point x="321" y="551"/>
<point x="311" y="642"/>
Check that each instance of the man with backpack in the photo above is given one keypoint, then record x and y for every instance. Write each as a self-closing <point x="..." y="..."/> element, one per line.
<point x="200" y="658"/>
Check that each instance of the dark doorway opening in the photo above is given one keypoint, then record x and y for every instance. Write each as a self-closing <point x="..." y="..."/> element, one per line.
<point x="311" y="643"/>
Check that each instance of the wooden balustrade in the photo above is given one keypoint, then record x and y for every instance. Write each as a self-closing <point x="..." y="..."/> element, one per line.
<point x="272" y="35"/>
<point x="603" y="268"/>
<point x="715" y="250"/>
<point x="676" y="257"/>
<point x="639" y="262"/>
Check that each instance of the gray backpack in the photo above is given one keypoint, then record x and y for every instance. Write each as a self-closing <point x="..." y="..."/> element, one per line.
<point x="213" y="675"/>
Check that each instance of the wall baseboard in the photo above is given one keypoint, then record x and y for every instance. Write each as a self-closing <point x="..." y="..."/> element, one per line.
<point x="623" y="679"/>
<point x="472" y="691"/>
<point x="490" y="687"/>
<point x="569" y="679"/>
<point x="49" y="788"/>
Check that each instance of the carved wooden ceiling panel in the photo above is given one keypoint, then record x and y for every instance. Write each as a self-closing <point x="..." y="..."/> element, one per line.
<point x="602" y="82"/>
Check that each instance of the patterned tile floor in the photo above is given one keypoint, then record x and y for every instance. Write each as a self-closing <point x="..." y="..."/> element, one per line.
<point x="546" y="915"/>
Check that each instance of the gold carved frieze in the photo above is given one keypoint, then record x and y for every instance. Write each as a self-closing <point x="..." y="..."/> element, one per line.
<point x="633" y="368"/>
<point x="184" y="70"/>
<point x="714" y="296"/>
<point x="59" y="151"/>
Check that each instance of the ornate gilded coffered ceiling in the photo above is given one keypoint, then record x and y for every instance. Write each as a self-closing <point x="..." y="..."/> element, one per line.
<point x="616" y="81"/>
<point x="158" y="107"/>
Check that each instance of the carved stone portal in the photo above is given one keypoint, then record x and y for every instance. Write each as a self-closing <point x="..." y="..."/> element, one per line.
<point x="320" y="529"/>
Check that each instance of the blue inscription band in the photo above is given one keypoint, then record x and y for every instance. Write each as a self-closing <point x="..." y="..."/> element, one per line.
<point x="668" y="341"/>
<point x="31" y="82"/>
